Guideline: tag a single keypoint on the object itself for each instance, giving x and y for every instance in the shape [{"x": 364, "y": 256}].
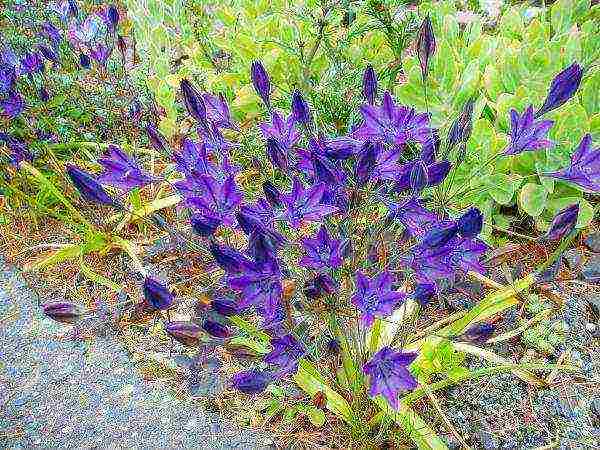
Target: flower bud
[
  {"x": 366, "y": 162},
  {"x": 48, "y": 53},
  {"x": 439, "y": 236},
  {"x": 370, "y": 85},
  {"x": 251, "y": 381},
  {"x": 193, "y": 101},
  {"x": 300, "y": 108},
  {"x": 276, "y": 154},
  {"x": 62, "y": 311},
  {"x": 424, "y": 292},
  {"x": 418, "y": 177},
  {"x": 425, "y": 46},
  {"x": 333, "y": 346},
  {"x": 216, "y": 329},
  {"x": 272, "y": 194},
  {"x": 470, "y": 223},
  {"x": 225, "y": 306},
  {"x": 157, "y": 140},
  {"x": 563, "y": 87},
  {"x": 84, "y": 61},
  {"x": 187, "y": 333},
  {"x": 563, "y": 223},
  {"x": 112, "y": 15},
  {"x": 227, "y": 258},
  {"x": 89, "y": 188},
  {"x": 204, "y": 225},
  {"x": 260, "y": 79},
  {"x": 157, "y": 294},
  {"x": 479, "y": 333}
]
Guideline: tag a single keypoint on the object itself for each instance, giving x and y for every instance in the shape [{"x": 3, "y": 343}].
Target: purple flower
[
  {"x": 157, "y": 294},
  {"x": 63, "y": 9},
  {"x": 322, "y": 251},
  {"x": 285, "y": 354},
  {"x": 193, "y": 101},
  {"x": 224, "y": 306},
  {"x": 389, "y": 375},
  {"x": 391, "y": 124},
  {"x": 415, "y": 217},
  {"x": 260, "y": 286},
  {"x": 584, "y": 170},
  {"x": 204, "y": 225},
  {"x": 19, "y": 150},
  {"x": 333, "y": 346},
  {"x": 526, "y": 134},
  {"x": 32, "y": 63},
  {"x": 82, "y": 34},
  {"x": 100, "y": 54},
  {"x": 283, "y": 131},
  {"x": 84, "y": 61},
  {"x": 157, "y": 140},
  {"x": 216, "y": 329},
  {"x": 375, "y": 297},
  {"x": 212, "y": 197},
  {"x": 7, "y": 79},
  {"x": 425, "y": 46},
  {"x": 62, "y": 311},
  {"x": 563, "y": 223},
  {"x": 424, "y": 292},
  {"x": 563, "y": 87},
  {"x": 260, "y": 79},
  {"x": 217, "y": 111},
  {"x": 121, "y": 171},
  {"x": 370, "y": 85},
  {"x": 88, "y": 186},
  {"x": 470, "y": 223},
  {"x": 304, "y": 204},
  {"x": 187, "y": 333},
  {"x": 251, "y": 381},
  {"x": 300, "y": 108}
]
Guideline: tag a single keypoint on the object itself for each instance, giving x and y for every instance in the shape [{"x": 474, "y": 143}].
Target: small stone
[
  {"x": 590, "y": 327},
  {"x": 595, "y": 407},
  {"x": 591, "y": 270},
  {"x": 595, "y": 304},
  {"x": 592, "y": 242},
  {"x": 191, "y": 424},
  {"x": 572, "y": 258},
  {"x": 488, "y": 440}
]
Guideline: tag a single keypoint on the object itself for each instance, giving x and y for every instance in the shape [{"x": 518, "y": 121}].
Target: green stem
[{"x": 559, "y": 251}]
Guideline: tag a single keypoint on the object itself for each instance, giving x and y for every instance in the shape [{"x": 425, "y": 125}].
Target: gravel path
[{"x": 59, "y": 393}]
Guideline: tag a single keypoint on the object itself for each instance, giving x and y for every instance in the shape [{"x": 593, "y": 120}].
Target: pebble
[
  {"x": 591, "y": 270},
  {"x": 572, "y": 258},
  {"x": 590, "y": 327},
  {"x": 592, "y": 242}
]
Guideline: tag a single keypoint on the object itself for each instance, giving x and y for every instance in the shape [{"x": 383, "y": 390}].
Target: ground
[{"x": 56, "y": 392}]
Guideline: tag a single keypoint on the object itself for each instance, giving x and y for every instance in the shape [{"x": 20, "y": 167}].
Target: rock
[
  {"x": 572, "y": 258},
  {"x": 595, "y": 408},
  {"x": 591, "y": 270},
  {"x": 488, "y": 440},
  {"x": 594, "y": 304},
  {"x": 592, "y": 241},
  {"x": 591, "y": 327}
]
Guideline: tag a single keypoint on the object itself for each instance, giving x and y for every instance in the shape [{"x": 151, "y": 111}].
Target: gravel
[{"x": 57, "y": 392}]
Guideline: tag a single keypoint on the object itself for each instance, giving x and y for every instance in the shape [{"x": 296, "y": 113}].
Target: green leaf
[
  {"x": 311, "y": 381},
  {"x": 501, "y": 187},
  {"x": 316, "y": 416},
  {"x": 532, "y": 199},
  {"x": 99, "y": 279},
  {"x": 414, "y": 426}
]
